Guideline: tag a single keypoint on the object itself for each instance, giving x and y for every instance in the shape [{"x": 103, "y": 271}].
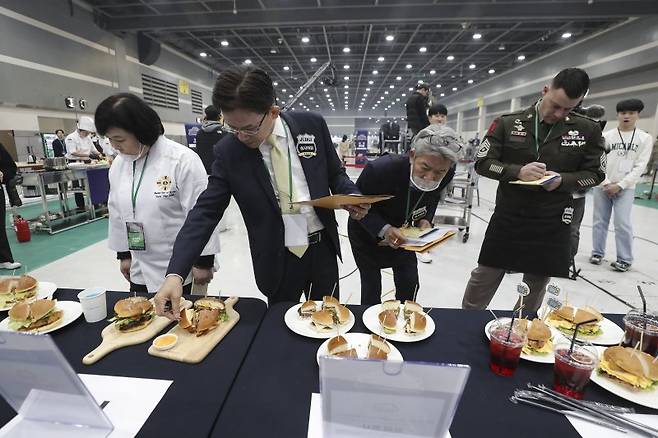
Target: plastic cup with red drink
[
  {"x": 641, "y": 328},
  {"x": 573, "y": 368},
  {"x": 505, "y": 347}
]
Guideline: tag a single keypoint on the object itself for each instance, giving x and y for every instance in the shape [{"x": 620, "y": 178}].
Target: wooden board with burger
[
  {"x": 199, "y": 330},
  {"x": 134, "y": 322},
  {"x": 23, "y": 288}
]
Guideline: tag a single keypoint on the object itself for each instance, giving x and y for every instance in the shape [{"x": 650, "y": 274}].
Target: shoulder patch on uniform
[
  {"x": 496, "y": 168},
  {"x": 484, "y": 148}
]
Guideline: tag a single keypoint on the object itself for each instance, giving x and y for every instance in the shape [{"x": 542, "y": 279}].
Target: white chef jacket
[
  {"x": 75, "y": 143},
  {"x": 174, "y": 178},
  {"x": 108, "y": 150}
]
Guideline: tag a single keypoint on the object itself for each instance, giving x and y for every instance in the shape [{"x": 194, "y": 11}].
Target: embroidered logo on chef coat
[
  {"x": 573, "y": 139},
  {"x": 567, "y": 215},
  {"x": 165, "y": 187},
  {"x": 419, "y": 214},
  {"x": 484, "y": 149},
  {"x": 306, "y": 146}
]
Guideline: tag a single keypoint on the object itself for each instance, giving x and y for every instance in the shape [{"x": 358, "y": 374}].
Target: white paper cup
[{"x": 94, "y": 304}]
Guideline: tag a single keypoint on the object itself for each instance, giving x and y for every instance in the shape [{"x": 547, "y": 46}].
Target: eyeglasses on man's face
[{"x": 245, "y": 131}]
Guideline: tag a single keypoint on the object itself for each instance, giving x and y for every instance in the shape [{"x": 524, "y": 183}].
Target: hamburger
[
  {"x": 411, "y": 306},
  {"x": 16, "y": 289},
  {"x": 416, "y": 323},
  {"x": 392, "y": 305},
  {"x": 539, "y": 338},
  {"x": 38, "y": 316},
  {"x": 329, "y": 303},
  {"x": 338, "y": 346},
  {"x": 206, "y": 315},
  {"x": 388, "y": 320},
  {"x": 322, "y": 320},
  {"x": 132, "y": 314},
  {"x": 306, "y": 309},
  {"x": 341, "y": 315},
  {"x": 378, "y": 348},
  {"x": 566, "y": 317},
  {"x": 629, "y": 366}
]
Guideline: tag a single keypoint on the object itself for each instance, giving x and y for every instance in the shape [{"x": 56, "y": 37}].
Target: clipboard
[
  {"x": 432, "y": 244},
  {"x": 546, "y": 179},
  {"x": 336, "y": 202}
]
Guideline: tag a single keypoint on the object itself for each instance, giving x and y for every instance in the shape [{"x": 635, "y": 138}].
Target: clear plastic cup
[
  {"x": 94, "y": 304},
  {"x": 641, "y": 326},
  {"x": 573, "y": 370},
  {"x": 505, "y": 348}
]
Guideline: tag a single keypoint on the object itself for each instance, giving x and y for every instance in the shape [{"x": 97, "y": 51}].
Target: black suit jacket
[
  {"x": 239, "y": 171},
  {"x": 417, "y": 112},
  {"x": 389, "y": 175},
  {"x": 59, "y": 148}
]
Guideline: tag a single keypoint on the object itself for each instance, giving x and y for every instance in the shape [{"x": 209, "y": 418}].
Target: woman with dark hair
[
  {"x": 7, "y": 172},
  {"x": 154, "y": 183}
]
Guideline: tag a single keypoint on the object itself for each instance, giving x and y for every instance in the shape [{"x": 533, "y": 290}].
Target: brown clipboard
[
  {"x": 336, "y": 202},
  {"x": 432, "y": 244}
]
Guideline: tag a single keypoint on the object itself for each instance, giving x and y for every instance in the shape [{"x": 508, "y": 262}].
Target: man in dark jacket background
[
  {"x": 417, "y": 105},
  {"x": 208, "y": 136}
]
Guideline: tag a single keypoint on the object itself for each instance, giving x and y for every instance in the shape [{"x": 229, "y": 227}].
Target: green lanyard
[
  {"x": 408, "y": 212},
  {"x": 537, "y": 142},
  {"x": 134, "y": 190}
]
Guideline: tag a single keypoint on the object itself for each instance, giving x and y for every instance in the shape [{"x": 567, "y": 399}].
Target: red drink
[
  {"x": 643, "y": 327},
  {"x": 572, "y": 371},
  {"x": 505, "y": 349}
]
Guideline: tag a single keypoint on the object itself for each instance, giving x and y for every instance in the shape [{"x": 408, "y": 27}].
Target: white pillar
[
  {"x": 460, "y": 121},
  {"x": 515, "y": 104},
  {"x": 482, "y": 114}
]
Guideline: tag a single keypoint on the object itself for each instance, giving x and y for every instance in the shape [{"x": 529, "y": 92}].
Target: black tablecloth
[
  {"x": 271, "y": 395},
  {"x": 192, "y": 402}
]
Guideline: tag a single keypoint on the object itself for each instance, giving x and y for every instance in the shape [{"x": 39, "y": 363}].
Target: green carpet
[
  {"x": 640, "y": 190},
  {"x": 44, "y": 248}
]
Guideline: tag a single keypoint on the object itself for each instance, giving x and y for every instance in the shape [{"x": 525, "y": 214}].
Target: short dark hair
[
  {"x": 130, "y": 113},
  {"x": 58, "y": 130},
  {"x": 243, "y": 87},
  {"x": 212, "y": 113},
  {"x": 438, "y": 108},
  {"x": 630, "y": 105},
  {"x": 344, "y": 137},
  {"x": 574, "y": 82},
  {"x": 422, "y": 86}
]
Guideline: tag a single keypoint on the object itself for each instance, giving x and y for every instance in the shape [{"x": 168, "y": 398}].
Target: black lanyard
[
  {"x": 630, "y": 144},
  {"x": 408, "y": 213}
]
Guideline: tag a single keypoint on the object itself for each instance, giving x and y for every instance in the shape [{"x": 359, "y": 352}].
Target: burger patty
[
  {"x": 52, "y": 317},
  {"x": 134, "y": 322}
]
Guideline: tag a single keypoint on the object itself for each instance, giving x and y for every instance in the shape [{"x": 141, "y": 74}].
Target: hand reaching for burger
[{"x": 171, "y": 291}]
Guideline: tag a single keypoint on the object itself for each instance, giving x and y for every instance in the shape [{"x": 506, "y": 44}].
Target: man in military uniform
[{"x": 529, "y": 230}]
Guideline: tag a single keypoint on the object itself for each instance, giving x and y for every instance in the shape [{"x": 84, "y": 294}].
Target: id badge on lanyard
[{"x": 136, "y": 240}]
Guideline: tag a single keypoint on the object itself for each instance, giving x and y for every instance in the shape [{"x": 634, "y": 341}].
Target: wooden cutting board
[
  {"x": 191, "y": 348},
  {"x": 113, "y": 339}
]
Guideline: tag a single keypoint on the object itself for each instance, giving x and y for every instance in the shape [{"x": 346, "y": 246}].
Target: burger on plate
[
  {"x": 306, "y": 309},
  {"x": 411, "y": 306},
  {"x": 378, "y": 348},
  {"x": 322, "y": 320},
  {"x": 329, "y": 302},
  {"x": 566, "y": 317},
  {"x": 539, "y": 338},
  {"x": 416, "y": 323},
  {"x": 392, "y": 305},
  {"x": 338, "y": 346},
  {"x": 388, "y": 320},
  {"x": 16, "y": 289},
  {"x": 629, "y": 366},
  {"x": 341, "y": 314},
  {"x": 132, "y": 314},
  {"x": 206, "y": 315},
  {"x": 38, "y": 316}
]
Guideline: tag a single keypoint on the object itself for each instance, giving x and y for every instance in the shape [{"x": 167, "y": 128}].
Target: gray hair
[{"x": 438, "y": 140}]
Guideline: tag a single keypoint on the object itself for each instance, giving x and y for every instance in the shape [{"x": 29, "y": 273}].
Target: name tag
[
  {"x": 419, "y": 214},
  {"x": 136, "y": 240}
]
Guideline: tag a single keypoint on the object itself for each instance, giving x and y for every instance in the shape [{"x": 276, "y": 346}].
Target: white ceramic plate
[
  {"x": 359, "y": 341},
  {"x": 611, "y": 333},
  {"x": 45, "y": 289},
  {"x": 72, "y": 311},
  {"x": 304, "y": 327},
  {"x": 648, "y": 398},
  {"x": 539, "y": 358},
  {"x": 371, "y": 321}
]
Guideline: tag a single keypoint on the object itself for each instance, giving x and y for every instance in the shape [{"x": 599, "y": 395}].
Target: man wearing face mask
[
  {"x": 154, "y": 183},
  {"x": 529, "y": 231},
  {"x": 270, "y": 162},
  {"x": 416, "y": 181}
]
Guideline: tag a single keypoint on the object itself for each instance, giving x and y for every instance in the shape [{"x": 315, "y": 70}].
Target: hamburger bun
[
  {"x": 411, "y": 306},
  {"x": 132, "y": 306},
  {"x": 539, "y": 332},
  {"x": 40, "y": 315},
  {"x": 307, "y": 308},
  {"x": 342, "y": 314},
  {"x": 416, "y": 323},
  {"x": 41, "y": 308},
  {"x": 323, "y": 320},
  {"x": 329, "y": 302},
  {"x": 630, "y": 366},
  {"x": 388, "y": 320},
  {"x": 206, "y": 320},
  {"x": 351, "y": 353},
  {"x": 336, "y": 345},
  {"x": 186, "y": 318},
  {"x": 20, "y": 284},
  {"x": 392, "y": 305},
  {"x": 209, "y": 303},
  {"x": 378, "y": 348},
  {"x": 20, "y": 312}
]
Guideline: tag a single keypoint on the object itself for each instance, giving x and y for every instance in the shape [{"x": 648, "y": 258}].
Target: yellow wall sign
[
  {"x": 480, "y": 102},
  {"x": 184, "y": 87}
]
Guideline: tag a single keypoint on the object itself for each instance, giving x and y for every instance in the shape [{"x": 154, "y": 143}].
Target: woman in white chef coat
[{"x": 154, "y": 183}]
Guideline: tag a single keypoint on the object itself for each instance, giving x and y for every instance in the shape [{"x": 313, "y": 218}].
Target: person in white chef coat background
[
  {"x": 154, "y": 183},
  {"x": 79, "y": 146}
]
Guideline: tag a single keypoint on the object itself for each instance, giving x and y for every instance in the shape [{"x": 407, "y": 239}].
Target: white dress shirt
[{"x": 299, "y": 185}]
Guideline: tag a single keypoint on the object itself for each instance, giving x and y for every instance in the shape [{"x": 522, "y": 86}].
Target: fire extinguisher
[{"x": 22, "y": 229}]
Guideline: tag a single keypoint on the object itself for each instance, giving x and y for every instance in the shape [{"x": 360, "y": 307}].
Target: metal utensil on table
[
  {"x": 575, "y": 414},
  {"x": 535, "y": 395}
]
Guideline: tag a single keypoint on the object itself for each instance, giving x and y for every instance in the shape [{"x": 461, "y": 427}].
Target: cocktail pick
[
  {"x": 511, "y": 324},
  {"x": 415, "y": 292},
  {"x": 310, "y": 289},
  {"x": 334, "y": 290},
  {"x": 523, "y": 290},
  {"x": 494, "y": 315},
  {"x": 575, "y": 333},
  {"x": 387, "y": 293}
]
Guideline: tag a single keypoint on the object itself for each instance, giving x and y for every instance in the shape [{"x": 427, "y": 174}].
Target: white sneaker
[
  {"x": 424, "y": 257},
  {"x": 10, "y": 265}
]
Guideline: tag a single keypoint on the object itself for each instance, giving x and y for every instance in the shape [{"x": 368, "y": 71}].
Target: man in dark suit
[
  {"x": 59, "y": 146},
  {"x": 416, "y": 180},
  {"x": 271, "y": 161},
  {"x": 208, "y": 136},
  {"x": 417, "y": 105}
]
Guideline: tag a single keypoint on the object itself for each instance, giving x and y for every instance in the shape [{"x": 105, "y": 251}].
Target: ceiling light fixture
[
  {"x": 247, "y": 61},
  {"x": 470, "y": 81},
  {"x": 472, "y": 66},
  {"x": 492, "y": 71},
  {"x": 454, "y": 88},
  {"x": 408, "y": 66},
  {"x": 224, "y": 43},
  {"x": 432, "y": 72},
  {"x": 521, "y": 57},
  {"x": 375, "y": 72},
  {"x": 398, "y": 78},
  {"x": 566, "y": 35},
  {"x": 390, "y": 37},
  {"x": 346, "y": 50},
  {"x": 346, "y": 67},
  {"x": 450, "y": 58},
  {"x": 477, "y": 36},
  {"x": 380, "y": 59},
  {"x": 314, "y": 59},
  {"x": 422, "y": 49},
  {"x": 203, "y": 54},
  {"x": 286, "y": 68}
]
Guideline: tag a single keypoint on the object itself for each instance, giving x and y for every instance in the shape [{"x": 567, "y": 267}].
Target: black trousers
[
  {"x": 141, "y": 288},
  {"x": 5, "y": 250},
  {"x": 318, "y": 267},
  {"x": 578, "y": 213},
  {"x": 405, "y": 277}
]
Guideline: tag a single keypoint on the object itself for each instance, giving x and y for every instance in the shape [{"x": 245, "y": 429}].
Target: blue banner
[
  {"x": 191, "y": 130},
  {"x": 361, "y": 148}
]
